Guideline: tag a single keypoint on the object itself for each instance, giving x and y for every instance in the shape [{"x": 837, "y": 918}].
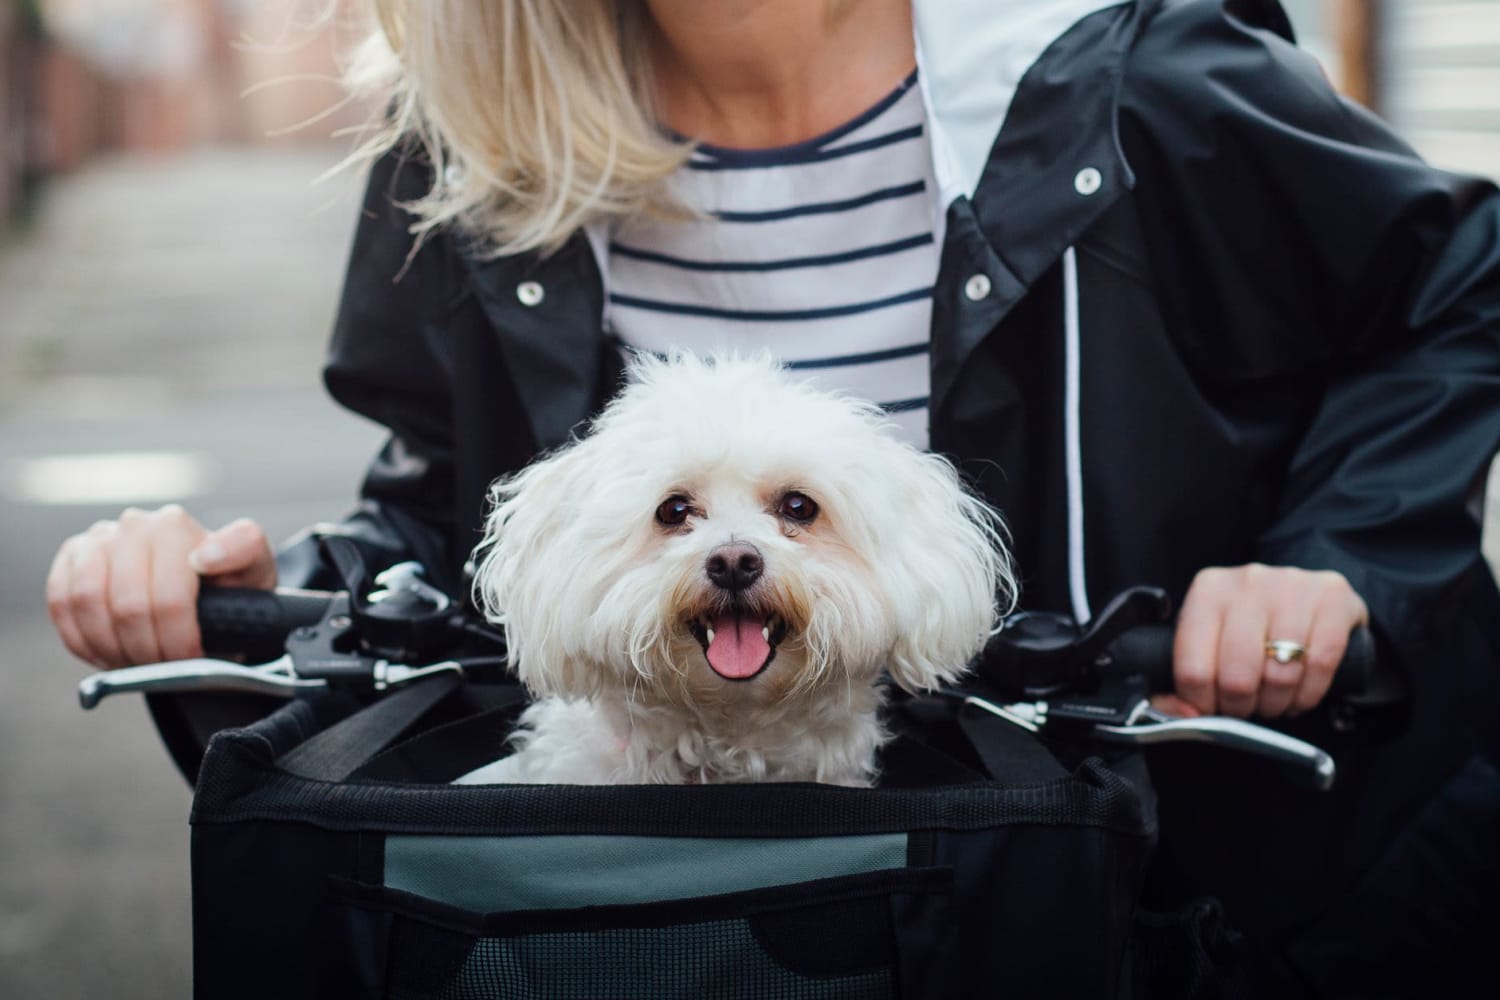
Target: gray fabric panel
[
  {"x": 502, "y": 874},
  {"x": 715, "y": 960}
]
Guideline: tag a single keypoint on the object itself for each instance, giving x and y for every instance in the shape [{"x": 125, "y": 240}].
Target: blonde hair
[{"x": 536, "y": 115}]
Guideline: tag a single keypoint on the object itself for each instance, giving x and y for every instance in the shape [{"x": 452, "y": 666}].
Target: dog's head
[{"x": 727, "y": 536}]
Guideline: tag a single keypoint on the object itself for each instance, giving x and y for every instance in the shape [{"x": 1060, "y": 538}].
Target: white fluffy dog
[{"x": 710, "y": 584}]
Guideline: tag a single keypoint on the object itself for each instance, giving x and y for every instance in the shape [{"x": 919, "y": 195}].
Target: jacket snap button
[
  {"x": 1087, "y": 181},
  {"x": 977, "y": 287},
  {"x": 530, "y": 293}
]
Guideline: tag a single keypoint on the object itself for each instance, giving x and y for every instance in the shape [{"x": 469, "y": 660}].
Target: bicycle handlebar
[
  {"x": 1362, "y": 678},
  {"x": 1049, "y": 672},
  {"x": 255, "y": 624}
]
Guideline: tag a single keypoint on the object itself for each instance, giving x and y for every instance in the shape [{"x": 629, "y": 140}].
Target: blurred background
[
  {"x": 168, "y": 266},
  {"x": 169, "y": 263}
]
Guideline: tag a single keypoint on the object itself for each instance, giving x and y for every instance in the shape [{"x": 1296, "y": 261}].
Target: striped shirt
[{"x": 823, "y": 253}]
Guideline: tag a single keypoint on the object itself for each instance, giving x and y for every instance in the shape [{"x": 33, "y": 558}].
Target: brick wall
[{"x": 240, "y": 73}]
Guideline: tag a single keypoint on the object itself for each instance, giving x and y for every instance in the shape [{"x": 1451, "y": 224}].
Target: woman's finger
[
  {"x": 60, "y": 606},
  {"x": 1242, "y": 643},
  {"x": 129, "y": 589},
  {"x": 1195, "y": 648},
  {"x": 174, "y": 585},
  {"x": 1171, "y": 704},
  {"x": 237, "y": 555},
  {"x": 88, "y": 595},
  {"x": 1336, "y": 614},
  {"x": 1290, "y": 619}
]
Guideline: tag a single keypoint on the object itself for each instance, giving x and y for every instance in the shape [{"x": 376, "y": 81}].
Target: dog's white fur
[{"x": 902, "y": 571}]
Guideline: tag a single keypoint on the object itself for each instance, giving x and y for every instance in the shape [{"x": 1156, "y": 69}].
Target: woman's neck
[{"x": 759, "y": 73}]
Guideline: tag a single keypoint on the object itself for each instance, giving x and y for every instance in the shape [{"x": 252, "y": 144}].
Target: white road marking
[{"x": 112, "y": 477}]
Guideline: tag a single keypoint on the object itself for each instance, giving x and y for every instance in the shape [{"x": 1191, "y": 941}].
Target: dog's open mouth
[{"x": 739, "y": 644}]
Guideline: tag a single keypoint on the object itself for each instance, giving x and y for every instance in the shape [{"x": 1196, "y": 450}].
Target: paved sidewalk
[
  {"x": 213, "y": 271},
  {"x": 176, "y": 306}
]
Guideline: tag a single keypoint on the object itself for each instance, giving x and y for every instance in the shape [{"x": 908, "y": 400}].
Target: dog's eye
[
  {"x": 674, "y": 510},
  {"x": 798, "y": 507}
]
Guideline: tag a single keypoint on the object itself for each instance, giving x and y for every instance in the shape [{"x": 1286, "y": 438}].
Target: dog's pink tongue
[{"x": 738, "y": 649}]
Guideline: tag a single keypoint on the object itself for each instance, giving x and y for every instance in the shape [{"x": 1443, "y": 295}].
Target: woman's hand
[
  {"x": 1220, "y": 660},
  {"x": 125, "y": 591}
]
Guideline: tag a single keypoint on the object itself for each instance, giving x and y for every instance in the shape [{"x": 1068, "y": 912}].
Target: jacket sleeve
[
  {"x": 1310, "y": 242},
  {"x": 388, "y": 361}
]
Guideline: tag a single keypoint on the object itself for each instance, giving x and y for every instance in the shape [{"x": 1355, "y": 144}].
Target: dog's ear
[
  {"x": 519, "y": 581},
  {"x": 950, "y": 575}
]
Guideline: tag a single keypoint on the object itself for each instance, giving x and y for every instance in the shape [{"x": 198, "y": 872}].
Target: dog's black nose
[{"x": 734, "y": 566}]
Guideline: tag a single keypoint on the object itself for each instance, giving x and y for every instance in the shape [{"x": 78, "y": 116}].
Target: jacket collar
[
  {"x": 1052, "y": 166},
  {"x": 1020, "y": 96},
  {"x": 972, "y": 56},
  {"x": 546, "y": 313}
]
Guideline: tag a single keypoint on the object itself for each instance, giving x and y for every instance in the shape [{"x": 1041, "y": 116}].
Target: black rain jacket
[{"x": 1288, "y": 350}]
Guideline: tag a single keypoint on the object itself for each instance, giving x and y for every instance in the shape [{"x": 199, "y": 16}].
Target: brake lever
[
  {"x": 1145, "y": 726},
  {"x": 278, "y": 678},
  {"x": 1148, "y": 727},
  {"x": 274, "y": 678}
]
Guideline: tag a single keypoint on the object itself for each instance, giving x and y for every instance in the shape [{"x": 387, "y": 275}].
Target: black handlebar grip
[
  {"x": 254, "y": 624},
  {"x": 1363, "y": 679}
]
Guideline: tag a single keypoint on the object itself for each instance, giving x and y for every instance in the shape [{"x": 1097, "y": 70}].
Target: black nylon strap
[
  {"x": 343, "y": 748},
  {"x": 442, "y": 753},
  {"x": 1011, "y": 755}
]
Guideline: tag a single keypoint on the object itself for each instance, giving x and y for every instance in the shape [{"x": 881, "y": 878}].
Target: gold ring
[{"x": 1285, "y": 650}]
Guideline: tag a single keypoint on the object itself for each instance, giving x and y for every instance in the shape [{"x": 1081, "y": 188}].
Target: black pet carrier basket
[{"x": 332, "y": 858}]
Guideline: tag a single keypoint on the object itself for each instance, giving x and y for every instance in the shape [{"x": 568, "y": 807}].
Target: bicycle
[{"x": 328, "y": 836}]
